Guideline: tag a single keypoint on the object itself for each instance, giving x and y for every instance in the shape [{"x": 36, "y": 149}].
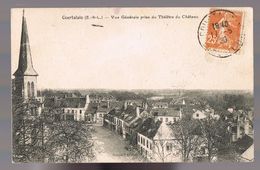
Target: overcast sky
[{"x": 127, "y": 53}]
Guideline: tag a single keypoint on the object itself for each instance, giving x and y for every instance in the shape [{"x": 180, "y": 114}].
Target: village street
[{"x": 110, "y": 147}]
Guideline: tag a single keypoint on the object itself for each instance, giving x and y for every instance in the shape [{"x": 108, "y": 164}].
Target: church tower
[{"x": 25, "y": 82}]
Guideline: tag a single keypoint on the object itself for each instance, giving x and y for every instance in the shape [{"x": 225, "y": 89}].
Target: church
[{"x": 25, "y": 81}]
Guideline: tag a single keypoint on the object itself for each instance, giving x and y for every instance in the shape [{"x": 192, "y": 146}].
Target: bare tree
[
  {"x": 160, "y": 150},
  {"x": 187, "y": 136},
  {"x": 67, "y": 140},
  {"x": 216, "y": 135}
]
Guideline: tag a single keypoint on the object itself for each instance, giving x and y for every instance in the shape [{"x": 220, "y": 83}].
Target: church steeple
[
  {"x": 25, "y": 67},
  {"x": 25, "y": 75}
]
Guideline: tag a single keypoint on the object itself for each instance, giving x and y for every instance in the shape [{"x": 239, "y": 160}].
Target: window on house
[
  {"x": 166, "y": 119},
  {"x": 197, "y": 115},
  {"x": 68, "y": 111},
  {"x": 70, "y": 117},
  {"x": 168, "y": 146},
  {"x": 161, "y": 119},
  {"x": 203, "y": 150},
  {"x": 80, "y": 111},
  {"x": 72, "y": 111}
]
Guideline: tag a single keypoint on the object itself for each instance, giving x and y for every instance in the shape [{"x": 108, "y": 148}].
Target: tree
[
  {"x": 69, "y": 141},
  {"x": 27, "y": 132},
  {"x": 66, "y": 141},
  {"x": 187, "y": 135},
  {"x": 216, "y": 135},
  {"x": 160, "y": 149}
]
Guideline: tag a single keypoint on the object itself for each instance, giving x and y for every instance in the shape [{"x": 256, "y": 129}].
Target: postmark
[{"x": 220, "y": 32}]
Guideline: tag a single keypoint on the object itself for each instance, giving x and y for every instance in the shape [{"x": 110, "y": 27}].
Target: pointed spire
[{"x": 25, "y": 66}]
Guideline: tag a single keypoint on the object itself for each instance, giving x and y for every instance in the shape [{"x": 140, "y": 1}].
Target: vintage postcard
[{"x": 132, "y": 85}]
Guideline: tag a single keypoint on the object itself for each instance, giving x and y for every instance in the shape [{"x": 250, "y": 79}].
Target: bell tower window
[
  {"x": 29, "y": 89},
  {"x": 32, "y": 89}
]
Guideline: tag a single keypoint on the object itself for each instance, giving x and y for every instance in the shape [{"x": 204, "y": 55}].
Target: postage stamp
[{"x": 221, "y": 32}]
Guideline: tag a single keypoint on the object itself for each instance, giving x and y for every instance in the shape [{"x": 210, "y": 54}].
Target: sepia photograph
[{"x": 132, "y": 85}]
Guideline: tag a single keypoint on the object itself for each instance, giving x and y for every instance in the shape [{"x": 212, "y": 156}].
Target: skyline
[{"x": 100, "y": 58}]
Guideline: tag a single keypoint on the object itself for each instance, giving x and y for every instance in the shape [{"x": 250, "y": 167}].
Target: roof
[
  {"x": 248, "y": 155},
  {"x": 149, "y": 127},
  {"x": 53, "y": 102},
  {"x": 160, "y": 103},
  {"x": 25, "y": 66},
  {"x": 137, "y": 102},
  {"x": 136, "y": 124},
  {"x": 68, "y": 102},
  {"x": 243, "y": 144},
  {"x": 116, "y": 104},
  {"x": 92, "y": 108},
  {"x": 102, "y": 109},
  {"x": 175, "y": 112},
  {"x": 129, "y": 114},
  {"x": 49, "y": 102},
  {"x": 164, "y": 132},
  {"x": 101, "y": 96},
  {"x": 114, "y": 112},
  {"x": 73, "y": 102}
]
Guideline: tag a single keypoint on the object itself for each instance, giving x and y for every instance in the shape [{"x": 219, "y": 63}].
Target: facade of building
[
  {"x": 156, "y": 142},
  {"x": 167, "y": 115}
]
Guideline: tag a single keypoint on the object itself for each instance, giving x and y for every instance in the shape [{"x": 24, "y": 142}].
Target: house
[
  {"x": 199, "y": 115},
  {"x": 156, "y": 142},
  {"x": 133, "y": 103},
  {"x": 102, "y": 109},
  {"x": 240, "y": 123},
  {"x": 145, "y": 136},
  {"x": 127, "y": 116},
  {"x": 167, "y": 115},
  {"x": 111, "y": 118},
  {"x": 101, "y": 97},
  {"x": 245, "y": 148},
  {"x": 204, "y": 113},
  {"x": 76, "y": 107},
  {"x": 133, "y": 130},
  {"x": 165, "y": 145},
  {"x": 159, "y": 104},
  {"x": 90, "y": 113},
  {"x": 68, "y": 108},
  {"x": 248, "y": 155}
]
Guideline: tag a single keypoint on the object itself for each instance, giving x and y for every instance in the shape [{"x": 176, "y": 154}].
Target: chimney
[
  {"x": 238, "y": 126},
  {"x": 108, "y": 104},
  {"x": 87, "y": 99},
  {"x": 246, "y": 126},
  {"x": 125, "y": 105},
  {"x": 145, "y": 106},
  {"x": 137, "y": 111},
  {"x": 180, "y": 113}
]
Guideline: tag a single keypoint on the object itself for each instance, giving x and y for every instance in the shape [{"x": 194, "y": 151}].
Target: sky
[{"x": 127, "y": 53}]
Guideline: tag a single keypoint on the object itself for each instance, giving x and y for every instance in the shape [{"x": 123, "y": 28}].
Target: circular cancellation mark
[{"x": 220, "y": 32}]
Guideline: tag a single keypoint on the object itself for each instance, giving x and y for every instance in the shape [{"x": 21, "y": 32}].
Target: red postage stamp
[{"x": 220, "y": 32}]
